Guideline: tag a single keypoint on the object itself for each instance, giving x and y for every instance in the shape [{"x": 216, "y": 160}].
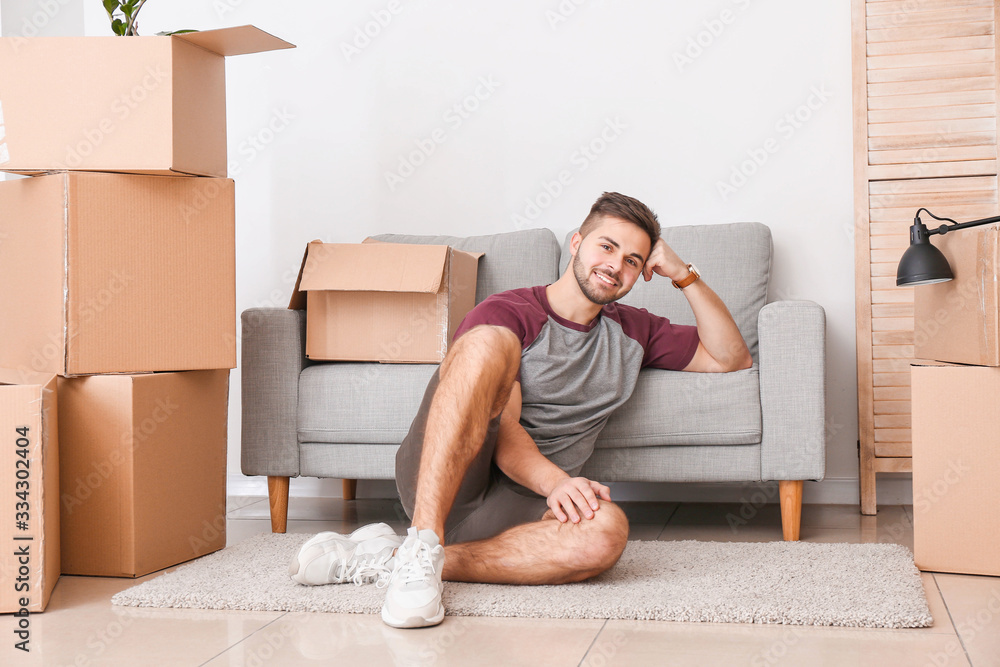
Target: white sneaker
[
  {"x": 413, "y": 598},
  {"x": 331, "y": 558}
]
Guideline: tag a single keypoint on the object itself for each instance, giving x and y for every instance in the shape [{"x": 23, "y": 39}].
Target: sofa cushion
[
  {"x": 360, "y": 403},
  {"x": 367, "y": 403},
  {"x": 734, "y": 260},
  {"x": 677, "y": 408},
  {"x": 513, "y": 259}
]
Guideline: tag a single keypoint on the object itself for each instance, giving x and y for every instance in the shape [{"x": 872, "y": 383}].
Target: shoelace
[
  {"x": 377, "y": 569},
  {"x": 417, "y": 567}
]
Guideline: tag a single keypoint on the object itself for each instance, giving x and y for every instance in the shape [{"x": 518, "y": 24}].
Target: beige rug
[{"x": 796, "y": 583}]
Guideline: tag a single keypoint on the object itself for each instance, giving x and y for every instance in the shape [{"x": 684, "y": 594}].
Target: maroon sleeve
[
  {"x": 666, "y": 345},
  {"x": 516, "y": 310}
]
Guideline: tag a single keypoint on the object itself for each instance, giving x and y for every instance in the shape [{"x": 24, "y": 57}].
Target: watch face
[{"x": 694, "y": 269}]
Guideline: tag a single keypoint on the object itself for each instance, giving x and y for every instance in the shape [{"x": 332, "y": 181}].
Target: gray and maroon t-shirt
[{"x": 573, "y": 376}]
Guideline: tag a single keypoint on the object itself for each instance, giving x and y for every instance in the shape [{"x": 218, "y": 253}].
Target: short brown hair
[{"x": 617, "y": 205}]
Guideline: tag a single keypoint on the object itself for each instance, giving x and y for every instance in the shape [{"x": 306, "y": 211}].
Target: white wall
[{"x": 688, "y": 93}]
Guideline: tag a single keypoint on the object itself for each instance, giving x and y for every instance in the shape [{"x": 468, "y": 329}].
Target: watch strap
[{"x": 684, "y": 282}]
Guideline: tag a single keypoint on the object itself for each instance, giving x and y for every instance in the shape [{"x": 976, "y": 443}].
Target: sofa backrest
[
  {"x": 735, "y": 261},
  {"x": 734, "y": 258},
  {"x": 513, "y": 259}
]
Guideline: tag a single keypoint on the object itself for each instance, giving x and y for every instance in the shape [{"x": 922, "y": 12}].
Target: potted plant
[{"x": 124, "y": 14}]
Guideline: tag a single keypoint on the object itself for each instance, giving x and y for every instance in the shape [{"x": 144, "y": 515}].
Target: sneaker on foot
[
  {"x": 413, "y": 597},
  {"x": 331, "y": 558}
]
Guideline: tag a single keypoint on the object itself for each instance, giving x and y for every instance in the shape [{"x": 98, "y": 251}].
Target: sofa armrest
[
  {"x": 793, "y": 390},
  {"x": 273, "y": 356}
]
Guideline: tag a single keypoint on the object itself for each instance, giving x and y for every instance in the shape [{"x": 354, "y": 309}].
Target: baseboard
[{"x": 892, "y": 490}]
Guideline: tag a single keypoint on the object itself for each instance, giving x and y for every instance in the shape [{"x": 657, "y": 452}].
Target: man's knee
[
  {"x": 601, "y": 540},
  {"x": 488, "y": 350}
]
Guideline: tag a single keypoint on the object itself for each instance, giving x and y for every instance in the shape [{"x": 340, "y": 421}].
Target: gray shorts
[{"x": 487, "y": 503}]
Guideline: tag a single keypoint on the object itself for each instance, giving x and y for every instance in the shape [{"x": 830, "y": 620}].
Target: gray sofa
[{"x": 346, "y": 420}]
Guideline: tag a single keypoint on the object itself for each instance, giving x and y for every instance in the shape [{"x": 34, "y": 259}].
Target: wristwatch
[{"x": 693, "y": 275}]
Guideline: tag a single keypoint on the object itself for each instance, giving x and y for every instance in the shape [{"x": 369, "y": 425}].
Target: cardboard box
[
  {"x": 957, "y": 321},
  {"x": 385, "y": 302},
  {"x": 956, "y": 467},
  {"x": 143, "y": 470},
  {"x": 29, "y": 491},
  {"x": 112, "y": 273},
  {"x": 151, "y": 105}
]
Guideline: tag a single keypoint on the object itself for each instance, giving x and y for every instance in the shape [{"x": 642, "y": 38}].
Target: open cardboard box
[
  {"x": 959, "y": 320},
  {"x": 29, "y": 491},
  {"x": 956, "y": 462},
  {"x": 116, "y": 273},
  {"x": 142, "y": 471},
  {"x": 151, "y": 105},
  {"x": 387, "y": 302}
]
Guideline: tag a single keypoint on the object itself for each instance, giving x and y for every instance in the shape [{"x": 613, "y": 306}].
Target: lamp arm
[{"x": 944, "y": 229}]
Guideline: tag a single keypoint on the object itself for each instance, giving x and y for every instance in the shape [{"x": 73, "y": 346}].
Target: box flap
[
  {"x": 375, "y": 267},
  {"x": 24, "y": 377},
  {"x": 298, "y": 300},
  {"x": 235, "y": 41}
]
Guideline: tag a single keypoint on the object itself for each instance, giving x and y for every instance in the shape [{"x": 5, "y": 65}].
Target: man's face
[{"x": 609, "y": 260}]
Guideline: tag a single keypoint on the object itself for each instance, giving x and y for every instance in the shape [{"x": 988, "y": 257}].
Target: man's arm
[
  {"x": 721, "y": 348},
  {"x": 518, "y": 457}
]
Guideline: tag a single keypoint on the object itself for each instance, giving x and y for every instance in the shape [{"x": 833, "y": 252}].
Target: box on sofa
[{"x": 386, "y": 302}]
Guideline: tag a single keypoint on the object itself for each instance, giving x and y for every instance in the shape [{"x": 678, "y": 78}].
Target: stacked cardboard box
[
  {"x": 117, "y": 288},
  {"x": 956, "y": 419}
]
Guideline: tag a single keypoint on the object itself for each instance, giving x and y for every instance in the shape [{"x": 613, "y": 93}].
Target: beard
[{"x": 583, "y": 278}]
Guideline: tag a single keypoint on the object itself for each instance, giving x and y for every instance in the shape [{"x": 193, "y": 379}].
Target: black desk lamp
[{"x": 922, "y": 263}]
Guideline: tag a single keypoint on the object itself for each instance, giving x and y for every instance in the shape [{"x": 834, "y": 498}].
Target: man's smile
[{"x": 607, "y": 279}]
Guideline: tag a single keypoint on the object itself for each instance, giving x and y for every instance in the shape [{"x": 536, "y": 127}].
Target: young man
[{"x": 491, "y": 464}]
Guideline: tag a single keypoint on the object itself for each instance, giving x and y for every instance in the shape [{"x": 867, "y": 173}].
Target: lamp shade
[{"x": 922, "y": 264}]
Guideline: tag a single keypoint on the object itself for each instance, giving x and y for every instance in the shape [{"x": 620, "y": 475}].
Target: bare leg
[
  {"x": 543, "y": 552},
  {"x": 475, "y": 383}
]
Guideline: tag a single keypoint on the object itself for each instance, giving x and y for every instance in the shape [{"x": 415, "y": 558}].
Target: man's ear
[{"x": 574, "y": 243}]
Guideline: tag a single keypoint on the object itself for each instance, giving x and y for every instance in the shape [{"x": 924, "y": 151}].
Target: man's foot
[
  {"x": 413, "y": 598},
  {"x": 331, "y": 558}
]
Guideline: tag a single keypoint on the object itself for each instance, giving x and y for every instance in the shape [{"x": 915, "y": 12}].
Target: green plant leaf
[
  {"x": 119, "y": 27},
  {"x": 110, "y": 6}
]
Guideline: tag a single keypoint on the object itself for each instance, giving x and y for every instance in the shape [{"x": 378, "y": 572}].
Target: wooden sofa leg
[
  {"x": 277, "y": 494},
  {"x": 791, "y": 508},
  {"x": 350, "y": 489}
]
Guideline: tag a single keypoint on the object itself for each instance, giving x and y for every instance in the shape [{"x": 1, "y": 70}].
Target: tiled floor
[{"x": 80, "y": 627}]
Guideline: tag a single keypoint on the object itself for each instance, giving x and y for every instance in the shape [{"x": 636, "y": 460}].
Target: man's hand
[
  {"x": 575, "y": 496},
  {"x": 664, "y": 261}
]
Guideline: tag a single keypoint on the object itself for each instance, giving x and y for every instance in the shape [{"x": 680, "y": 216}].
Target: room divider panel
[{"x": 925, "y": 135}]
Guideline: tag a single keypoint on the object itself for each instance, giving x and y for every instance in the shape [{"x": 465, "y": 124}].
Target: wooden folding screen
[{"x": 925, "y": 135}]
